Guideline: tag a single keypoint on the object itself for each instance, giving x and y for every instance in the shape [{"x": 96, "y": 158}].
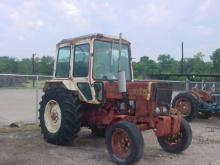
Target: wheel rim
[
  {"x": 174, "y": 139},
  {"x": 121, "y": 144},
  {"x": 52, "y": 116},
  {"x": 183, "y": 106}
]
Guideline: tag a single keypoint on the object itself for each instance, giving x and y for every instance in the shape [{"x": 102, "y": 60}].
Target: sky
[{"x": 152, "y": 26}]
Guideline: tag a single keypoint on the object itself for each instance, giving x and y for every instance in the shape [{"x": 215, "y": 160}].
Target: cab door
[{"x": 81, "y": 55}]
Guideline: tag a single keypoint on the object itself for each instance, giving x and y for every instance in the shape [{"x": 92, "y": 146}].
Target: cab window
[
  {"x": 81, "y": 57},
  {"x": 63, "y": 61}
]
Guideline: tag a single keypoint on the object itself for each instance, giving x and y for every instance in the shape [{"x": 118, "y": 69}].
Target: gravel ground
[{"x": 22, "y": 147}]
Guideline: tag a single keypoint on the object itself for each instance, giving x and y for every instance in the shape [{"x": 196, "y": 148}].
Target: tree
[
  {"x": 144, "y": 67},
  {"x": 196, "y": 64},
  {"x": 45, "y": 65},
  {"x": 216, "y": 60},
  {"x": 167, "y": 64}
]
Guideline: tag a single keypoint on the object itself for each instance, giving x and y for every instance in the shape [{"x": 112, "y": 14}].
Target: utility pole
[
  {"x": 33, "y": 68},
  {"x": 182, "y": 60}
]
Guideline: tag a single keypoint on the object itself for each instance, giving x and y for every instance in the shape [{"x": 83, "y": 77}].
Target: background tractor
[
  {"x": 197, "y": 103},
  {"x": 93, "y": 87}
]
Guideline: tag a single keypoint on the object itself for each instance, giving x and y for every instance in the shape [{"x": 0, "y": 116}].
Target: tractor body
[{"x": 86, "y": 71}]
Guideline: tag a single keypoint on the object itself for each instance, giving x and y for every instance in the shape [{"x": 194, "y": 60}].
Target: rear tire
[
  {"x": 187, "y": 105},
  {"x": 124, "y": 142},
  {"x": 59, "y": 116},
  {"x": 177, "y": 143}
]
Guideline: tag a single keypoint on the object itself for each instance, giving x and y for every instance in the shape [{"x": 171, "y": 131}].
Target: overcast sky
[{"x": 152, "y": 26}]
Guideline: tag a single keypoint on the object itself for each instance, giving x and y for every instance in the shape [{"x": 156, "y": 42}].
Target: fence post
[
  {"x": 36, "y": 87},
  {"x": 202, "y": 85},
  {"x": 187, "y": 84}
]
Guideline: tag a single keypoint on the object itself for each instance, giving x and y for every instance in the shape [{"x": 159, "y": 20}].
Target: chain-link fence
[
  {"x": 19, "y": 97},
  {"x": 187, "y": 85}
]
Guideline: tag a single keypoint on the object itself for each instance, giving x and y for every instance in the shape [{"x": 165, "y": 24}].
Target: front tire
[
  {"x": 124, "y": 142},
  {"x": 177, "y": 143},
  {"x": 59, "y": 116}
]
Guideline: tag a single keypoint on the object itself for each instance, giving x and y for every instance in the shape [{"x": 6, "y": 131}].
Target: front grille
[{"x": 163, "y": 96}]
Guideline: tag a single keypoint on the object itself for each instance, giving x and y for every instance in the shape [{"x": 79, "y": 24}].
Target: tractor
[
  {"x": 197, "y": 103},
  {"x": 93, "y": 87}
]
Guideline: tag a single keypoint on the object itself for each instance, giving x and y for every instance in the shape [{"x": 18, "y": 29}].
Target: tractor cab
[{"x": 88, "y": 61}]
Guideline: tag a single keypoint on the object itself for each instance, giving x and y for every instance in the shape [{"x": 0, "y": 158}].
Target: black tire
[
  {"x": 182, "y": 143},
  {"x": 70, "y": 116},
  {"x": 190, "y": 99},
  {"x": 98, "y": 132},
  {"x": 135, "y": 149}
]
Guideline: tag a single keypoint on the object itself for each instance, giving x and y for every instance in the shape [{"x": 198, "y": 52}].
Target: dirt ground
[{"x": 25, "y": 146}]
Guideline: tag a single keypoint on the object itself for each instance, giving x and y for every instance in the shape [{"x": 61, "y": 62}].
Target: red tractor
[{"x": 93, "y": 87}]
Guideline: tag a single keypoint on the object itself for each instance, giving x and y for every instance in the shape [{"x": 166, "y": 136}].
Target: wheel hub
[
  {"x": 174, "y": 139},
  {"x": 52, "y": 116},
  {"x": 184, "y": 106}
]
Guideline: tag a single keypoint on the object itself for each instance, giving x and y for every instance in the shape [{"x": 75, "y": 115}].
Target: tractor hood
[{"x": 141, "y": 90}]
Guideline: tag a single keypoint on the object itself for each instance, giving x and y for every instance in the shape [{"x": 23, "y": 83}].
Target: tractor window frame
[
  {"x": 88, "y": 96},
  {"x": 129, "y": 60},
  {"x": 74, "y": 57},
  {"x": 57, "y": 61}
]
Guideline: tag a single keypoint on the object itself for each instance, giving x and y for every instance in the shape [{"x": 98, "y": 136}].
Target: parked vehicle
[
  {"x": 93, "y": 87},
  {"x": 197, "y": 103}
]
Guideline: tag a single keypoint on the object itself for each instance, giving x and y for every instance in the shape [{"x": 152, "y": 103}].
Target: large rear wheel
[
  {"x": 179, "y": 142},
  {"x": 125, "y": 143},
  {"x": 59, "y": 116}
]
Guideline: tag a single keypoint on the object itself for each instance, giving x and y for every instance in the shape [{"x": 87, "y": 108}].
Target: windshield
[{"x": 106, "y": 58}]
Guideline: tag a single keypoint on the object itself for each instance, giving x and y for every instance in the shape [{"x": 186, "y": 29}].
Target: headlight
[
  {"x": 157, "y": 110},
  {"x": 165, "y": 110}
]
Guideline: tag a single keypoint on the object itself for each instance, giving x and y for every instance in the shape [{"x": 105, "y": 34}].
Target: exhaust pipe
[
  {"x": 121, "y": 74},
  {"x": 122, "y": 82}
]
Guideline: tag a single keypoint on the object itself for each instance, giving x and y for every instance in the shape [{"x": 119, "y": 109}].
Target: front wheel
[
  {"x": 124, "y": 142},
  {"x": 179, "y": 142}
]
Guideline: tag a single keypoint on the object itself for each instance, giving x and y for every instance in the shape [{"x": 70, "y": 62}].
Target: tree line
[
  {"x": 42, "y": 65},
  {"x": 165, "y": 64}
]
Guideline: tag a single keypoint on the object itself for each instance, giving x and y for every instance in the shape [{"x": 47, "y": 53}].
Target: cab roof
[{"x": 91, "y": 37}]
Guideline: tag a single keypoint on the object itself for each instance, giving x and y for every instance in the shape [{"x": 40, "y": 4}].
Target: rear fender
[{"x": 70, "y": 85}]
